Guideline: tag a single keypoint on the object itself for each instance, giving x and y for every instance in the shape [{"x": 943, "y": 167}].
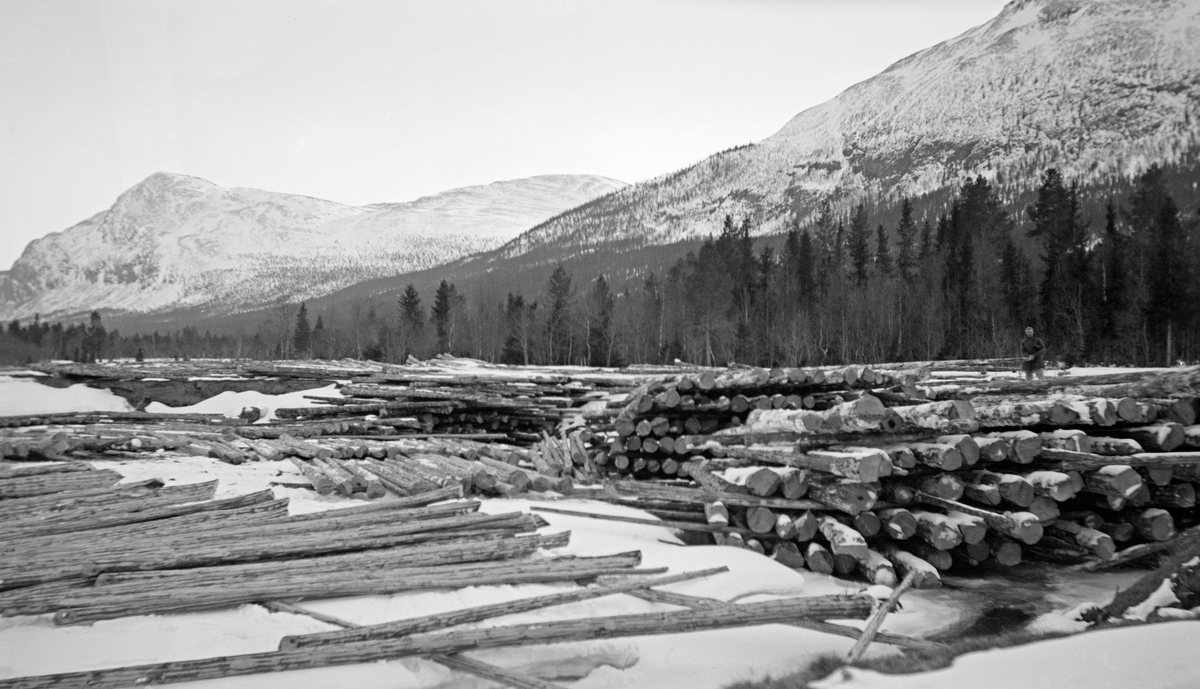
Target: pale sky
[{"x": 363, "y": 102}]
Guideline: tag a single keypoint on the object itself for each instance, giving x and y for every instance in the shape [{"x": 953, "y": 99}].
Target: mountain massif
[
  {"x": 175, "y": 242},
  {"x": 1100, "y": 89}
]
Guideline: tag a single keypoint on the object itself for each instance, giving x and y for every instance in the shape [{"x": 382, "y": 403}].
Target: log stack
[{"x": 878, "y": 475}]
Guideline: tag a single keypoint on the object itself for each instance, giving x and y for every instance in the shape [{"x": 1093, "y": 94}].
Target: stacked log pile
[{"x": 854, "y": 471}]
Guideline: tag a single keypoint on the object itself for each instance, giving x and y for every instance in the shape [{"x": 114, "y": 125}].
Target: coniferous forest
[{"x": 1124, "y": 289}]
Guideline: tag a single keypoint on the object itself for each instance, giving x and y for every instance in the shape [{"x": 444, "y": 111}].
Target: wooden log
[
  {"x": 867, "y": 524},
  {"x": 429, "y": 623},
  {"x": 699, "y": 497},
  {"x": 1179, "y": 495},
  {"x": 1067, "y": 439},
  {"x": 1153, "y": 523},
  {"x": 1115, "y": 480},
  {"x": 1011, "y": 487},
  {"x": 1156, "y": 475},
  {"x": 1023, "y": 526},
  {"x": 1099, "y": 543},
  {"x": 1163, "y": 437},
  {"x": 683, "y": 600},
  {"x": 716, "y": 513},
  {"x": 787, "y": 554},
  {"x": 863, "y": 414},
  {"x": 1004, "y": 550},
  {"x": 818, "y": 558},
  {"x": 456, "y": 641},
  {"x": 940, "y": 559},
  {"x": 1191, "y": 437},
  {"x": 760, "y": 520},
  {"x": 936, "y": 530},
  {"x": 992, "y": 449},
  {"x": 898, "y": 523},
  {"x": 924, "y": 574},
  {"x": 862, "y": 465},
  {"x": 806, "y": 525},
  {"x": 877, "y": 569},
  {"x": 1114, "y": 446},
  {"x": 876, "y": 620},
  {"x": 842, "y": 539},
  {"x": 100, "y": 607},
  {"x": 965, "y": 444},
  {"x": 793, "y": 483},
  {"x": 46, "y": 484},
  {"x": 713, "y": 483},
  {"x": 938, "y": 456},
  {"x": 1024, "y": 445},
  {"x": 1055, "y": 485},
  {"x": 845, "y": 495}
]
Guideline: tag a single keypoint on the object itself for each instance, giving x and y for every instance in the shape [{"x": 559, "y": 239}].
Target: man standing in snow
[{"x": 1034, "y": 351}]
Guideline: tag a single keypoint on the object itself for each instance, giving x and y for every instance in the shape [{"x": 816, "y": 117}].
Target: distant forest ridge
[{"x": 1119, "y": 289}]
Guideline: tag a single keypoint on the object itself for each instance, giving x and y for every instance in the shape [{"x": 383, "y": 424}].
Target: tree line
[{"x": 1120, "y": 289}]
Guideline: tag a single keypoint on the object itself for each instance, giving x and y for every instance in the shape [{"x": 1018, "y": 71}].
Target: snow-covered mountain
[
  {"x": 176, "y": 242},
  {"x": 1098, "y": 88}
]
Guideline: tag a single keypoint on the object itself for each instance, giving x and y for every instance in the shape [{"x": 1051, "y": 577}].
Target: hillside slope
[{"x": 175, "y": 242}]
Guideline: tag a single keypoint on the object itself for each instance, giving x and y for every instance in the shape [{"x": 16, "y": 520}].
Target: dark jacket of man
[{"x": 1033, "y": 346}]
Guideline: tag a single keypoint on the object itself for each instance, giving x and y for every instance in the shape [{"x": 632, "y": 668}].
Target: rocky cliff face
[
  {"x": 1098, "y": 88},
  {"x": 176, "y": 242}
]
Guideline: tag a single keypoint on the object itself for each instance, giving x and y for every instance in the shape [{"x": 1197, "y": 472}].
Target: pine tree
[
  {"x": 1065, "y": 290},
  {"x": 302, "y": 335},
  {"x": 906, "y": 236},
  {"x": 883, "y": 254},
  {"x": 558, "y": 322},
  {"x": 927, "y": 242},
  {"x": 806, "y": 279},
  {"x": 320, "y": 339},
  {"x": 412, "y": 322},
  {"x": 600, "y": 307},
  {"x": 445, "y": 303},
  {"x": 860, "y": 252}
]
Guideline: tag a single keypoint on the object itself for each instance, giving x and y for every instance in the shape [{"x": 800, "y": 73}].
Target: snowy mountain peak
[
  {"x": 175, "y": 241},
  {"x": 1099, "y": 88}
]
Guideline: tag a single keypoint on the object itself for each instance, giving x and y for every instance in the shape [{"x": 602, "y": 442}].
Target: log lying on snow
[
  {"x": 746, "y": 614},
  {"x": 98, "y": 606},
  {"x": 428, "y": 623}
]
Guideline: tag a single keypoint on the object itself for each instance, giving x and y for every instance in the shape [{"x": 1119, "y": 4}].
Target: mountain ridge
[{"x": 178, "y": 241}]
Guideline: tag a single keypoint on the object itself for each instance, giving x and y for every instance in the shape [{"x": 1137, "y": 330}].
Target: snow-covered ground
[{"x": 1151, "y": 657}]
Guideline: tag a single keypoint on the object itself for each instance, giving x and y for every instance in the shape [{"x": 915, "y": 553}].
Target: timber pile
[
  {"x": 880, "y": 473},
  {"x": 82, "y": 549},
  {"x": 78, "y": 546}
]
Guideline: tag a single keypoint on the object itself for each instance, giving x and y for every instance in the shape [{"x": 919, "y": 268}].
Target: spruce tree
[
  {"x": 860, "y": 252},
  {"x": 600, "y": 306},
  {"x": 445, "y": 302},
  {"x": 906, "y": 237},
  {"x": 302, "y": 335},
  {"x": 412, "y": 322},
  {"x": 558, "y": 321},
  {"x": 883, "y": 254}
]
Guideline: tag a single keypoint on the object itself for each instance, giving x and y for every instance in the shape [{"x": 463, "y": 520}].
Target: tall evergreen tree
[
  {"x": 883, "y": 253},
  {"x": 445, "y": 305},
  {"x": 600, "y": 326},
  {"x": 1065, "y": 290},
  {"x": 412, "y": 322},
  {"x": 906, "y": 240},
  {"x": 860, "y": 252},
  {"x": 559, "y": 339},
  {"x": 302, "y": 336}
]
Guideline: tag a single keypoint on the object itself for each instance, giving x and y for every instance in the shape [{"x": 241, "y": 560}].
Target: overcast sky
[{"x": 363, "y": 102}]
